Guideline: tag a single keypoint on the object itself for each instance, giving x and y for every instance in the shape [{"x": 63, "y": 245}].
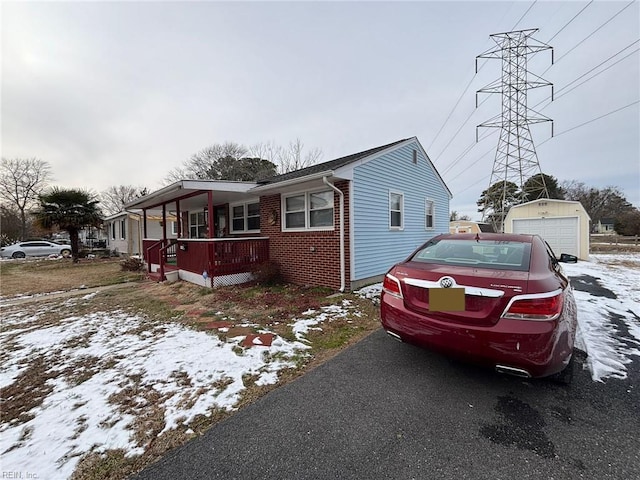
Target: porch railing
[
  {"x": 217, "y": 257},
  {"x": 159, "y": 252}
]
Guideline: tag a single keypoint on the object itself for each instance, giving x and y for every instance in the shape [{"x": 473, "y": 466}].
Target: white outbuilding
[{"x": 564, "y": 224}]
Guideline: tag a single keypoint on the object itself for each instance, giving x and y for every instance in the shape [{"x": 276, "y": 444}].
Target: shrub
[
  {"x": 132, "y": 264},
  {"x": 267, "y": 273}
]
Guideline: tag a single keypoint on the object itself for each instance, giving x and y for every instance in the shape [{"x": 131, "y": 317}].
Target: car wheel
[
  {"x": 18, "y": 255},
  {"x": 66, "y": 253},
  {"x": 564, "y": 377}
]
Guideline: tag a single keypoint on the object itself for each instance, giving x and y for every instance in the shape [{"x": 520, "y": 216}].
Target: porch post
[
  {"x": 178, "y": 219},
  {"x": 144, "y": 221},
  {"x": 164, "y": 221},
  {"x": 210, "y": 226}
]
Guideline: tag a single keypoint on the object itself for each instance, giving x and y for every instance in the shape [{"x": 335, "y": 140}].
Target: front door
[{"x": 220, "y": 214}]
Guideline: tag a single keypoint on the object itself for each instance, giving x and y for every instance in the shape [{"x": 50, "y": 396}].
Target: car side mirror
[{"x": 566, "y": 258}]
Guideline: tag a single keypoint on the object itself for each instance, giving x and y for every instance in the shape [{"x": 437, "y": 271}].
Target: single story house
[
  {"x": 468, "y": 226},
  {"x": 563, "y": 224},
  {"x": 124, "y": 231},
  {"x": 605, "y": 226},
  {"x": 340, "y": 224}
]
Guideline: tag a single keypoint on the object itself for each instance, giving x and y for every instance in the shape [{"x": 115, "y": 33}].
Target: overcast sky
[{"x": 120, "y": 93}]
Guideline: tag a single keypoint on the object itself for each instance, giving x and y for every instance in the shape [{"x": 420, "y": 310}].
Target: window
[
  {"x": 123, "y": 229},
  {"x": 245, "y": 217},
  {"x": 174, "y": 228},
  {"x": 310, "y": 210},
  {"x": 492, "y": 254},
  {"x": 429, "y": 215},
  {"x": 415, "y": 156},
  {"x": 197, "y": 225},
  {"x": 396, "y": 207},
  {"x": 113, "y": 230}
]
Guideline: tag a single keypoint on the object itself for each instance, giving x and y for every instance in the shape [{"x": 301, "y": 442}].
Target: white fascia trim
[{"x": 292, "y": 181}]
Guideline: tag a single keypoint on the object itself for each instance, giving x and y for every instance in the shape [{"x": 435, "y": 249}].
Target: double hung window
[
  {"x": 308, "y": 211},
  {"x": 245, "y": 217}
]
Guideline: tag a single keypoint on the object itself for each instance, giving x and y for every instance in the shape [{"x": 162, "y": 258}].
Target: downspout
[{"x": 342, "y": 264}]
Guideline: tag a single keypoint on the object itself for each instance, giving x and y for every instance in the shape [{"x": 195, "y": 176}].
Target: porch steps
[{"x": 154, "y": 276}]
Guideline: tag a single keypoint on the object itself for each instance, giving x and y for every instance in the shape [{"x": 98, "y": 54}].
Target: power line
[
  {"x": 567, "y": 24},
  {"x": 452, "y": 110},
  {"x": 556, "y": 96},
  {"x": 474, "y": 162},
  {"x": 592, "y": 120},
  {"x": 590, "y": 35},
  {"x": 467, "y": 88},
  {"x": 524, "y": 15}
]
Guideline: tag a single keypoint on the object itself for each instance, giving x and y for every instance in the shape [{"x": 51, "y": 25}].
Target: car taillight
[
  {"x": 535, "y": 307},
  {"x": 391, "y": 285}
]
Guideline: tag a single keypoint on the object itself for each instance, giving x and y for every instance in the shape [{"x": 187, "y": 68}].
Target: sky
[
  {"x": 135, "y": 347},
  {"x": 120, "y": 93}
]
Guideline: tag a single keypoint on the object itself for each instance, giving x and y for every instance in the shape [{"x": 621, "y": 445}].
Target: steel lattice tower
[{"x": 516, "y": 160}]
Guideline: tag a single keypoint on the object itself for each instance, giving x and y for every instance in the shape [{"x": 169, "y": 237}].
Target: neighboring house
[
  {"x": 92, "y": 237},
  {"x": 340, "y": 224},
  {"x": 468, "y": 226},
  {"x": 124, "y": 231},
  {"x": 605, "y": 225},
  {"x": 563, "y": 224}
]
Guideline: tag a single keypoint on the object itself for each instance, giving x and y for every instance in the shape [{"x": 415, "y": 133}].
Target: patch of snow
[
  {"x": 609, "y": 350},
  {"x": 193, "y": 372}
]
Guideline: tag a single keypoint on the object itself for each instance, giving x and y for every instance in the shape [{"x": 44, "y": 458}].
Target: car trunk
[{"x": 487, "y": 291}]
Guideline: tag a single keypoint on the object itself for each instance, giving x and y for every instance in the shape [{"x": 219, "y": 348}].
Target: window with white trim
[
  {"x": 245, "y": 217},
  {"x": 396, "y": 210},
  {"x": 113, "y": 230},
  {"x": 308, "y": 211},
  {"x": 123, "y": 229},
  {"x": 174, "y": 228},
  {"x": 429, "y": 215},
  {"x": 197, "y": 225}
]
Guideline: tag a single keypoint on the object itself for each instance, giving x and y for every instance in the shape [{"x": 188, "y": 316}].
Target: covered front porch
[{"x": 215, "y": 238}]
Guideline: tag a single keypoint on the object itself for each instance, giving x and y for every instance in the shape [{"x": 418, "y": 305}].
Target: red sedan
[{"x": 500, "y": 300}]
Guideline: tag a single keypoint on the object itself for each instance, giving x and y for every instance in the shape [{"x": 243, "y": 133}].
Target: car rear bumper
[{"x": 536, "y": 348}]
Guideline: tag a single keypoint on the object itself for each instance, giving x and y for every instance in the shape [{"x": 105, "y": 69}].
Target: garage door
[{"x": 560, "y": 233}]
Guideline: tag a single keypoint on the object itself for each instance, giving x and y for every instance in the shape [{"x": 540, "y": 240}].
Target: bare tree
[
  {"x": 113, "y": 199},
  {"x": 198, "y": 166},
  {"x": 598, "y": 202},
  {"x": 288, "y": 159},
  {"x": 233, "y": 161},
  {"x": 22, "y": 180}
]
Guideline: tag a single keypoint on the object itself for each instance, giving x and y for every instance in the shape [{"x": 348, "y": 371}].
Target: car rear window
[{"x": 495, "y": 254}]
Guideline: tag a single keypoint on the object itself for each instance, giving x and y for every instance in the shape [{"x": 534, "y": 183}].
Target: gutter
[
  {"x": 342, "y": 261},
  {"x": 291, "y": 181}
]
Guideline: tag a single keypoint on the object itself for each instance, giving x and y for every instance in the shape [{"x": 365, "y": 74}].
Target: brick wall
[{"x": 307, "y": 258}]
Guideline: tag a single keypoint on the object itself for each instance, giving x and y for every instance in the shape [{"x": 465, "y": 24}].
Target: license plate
[{"x": 446, "y": 299}]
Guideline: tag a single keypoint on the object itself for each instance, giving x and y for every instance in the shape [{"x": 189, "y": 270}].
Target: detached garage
[{"x": 563, "y": 224}]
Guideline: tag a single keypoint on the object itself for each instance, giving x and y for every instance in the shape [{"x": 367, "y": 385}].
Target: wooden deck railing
[{"x": 218, "y": 257}]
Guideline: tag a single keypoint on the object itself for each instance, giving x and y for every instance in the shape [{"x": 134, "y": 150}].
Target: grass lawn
[{"x": 137, "y": 370}]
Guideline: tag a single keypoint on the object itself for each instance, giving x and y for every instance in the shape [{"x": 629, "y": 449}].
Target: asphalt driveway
[{"x": 383, "y": 409}]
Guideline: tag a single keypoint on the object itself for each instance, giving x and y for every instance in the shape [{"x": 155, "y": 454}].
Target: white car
[{"x": 35, "y": 248}]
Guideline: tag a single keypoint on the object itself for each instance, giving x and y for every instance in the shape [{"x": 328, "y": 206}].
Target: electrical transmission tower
[{"x": 516, "y": 160}]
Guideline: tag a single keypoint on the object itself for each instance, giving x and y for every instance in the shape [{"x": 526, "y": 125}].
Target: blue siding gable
[{"x": 376, "y": 247}]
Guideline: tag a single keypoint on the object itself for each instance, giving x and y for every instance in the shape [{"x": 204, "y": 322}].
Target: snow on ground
[
  {"x": 609, "y": 344},
  {"x": 110, "y": 354},
  {"x": 189, "y": 373}
]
